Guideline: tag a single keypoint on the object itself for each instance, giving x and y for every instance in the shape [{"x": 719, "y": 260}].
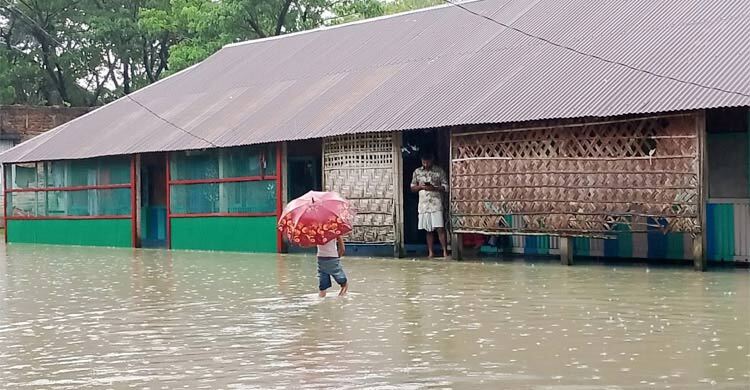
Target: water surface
[{"x": 107, "y": 318}]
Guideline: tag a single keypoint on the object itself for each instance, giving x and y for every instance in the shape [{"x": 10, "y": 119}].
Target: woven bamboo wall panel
[
  {"x": 578, "y": 179},
  {"x": 361, "y": 168}
]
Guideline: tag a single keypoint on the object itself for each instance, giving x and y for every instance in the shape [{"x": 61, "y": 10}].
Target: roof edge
[
  {"x": 349, "y": 24},
  {"x": 124, "y": 97},
  {"x": 618, "y": 116}
]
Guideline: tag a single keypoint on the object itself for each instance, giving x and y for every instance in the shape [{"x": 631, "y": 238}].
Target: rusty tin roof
[{"x": 431, "y": 68}]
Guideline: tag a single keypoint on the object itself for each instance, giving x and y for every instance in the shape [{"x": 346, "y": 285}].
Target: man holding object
[{"x": 430, "y": 182}]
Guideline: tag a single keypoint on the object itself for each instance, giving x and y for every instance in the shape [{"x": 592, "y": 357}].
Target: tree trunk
[
  {"x": 126, "y": 76},
  {"x": 54, "y": 72},
  {"x": 163, "y": 57},
  {"x": 112, "y": 66},
  {"x": 147, "y": 64},
  {"x": 255, "y": 26},
  {"x": 61, "y": 84},
  {"x": 282, "y": 16},
  {"x": 100, "y": 87},
  {"x": 133, "y": 76}
]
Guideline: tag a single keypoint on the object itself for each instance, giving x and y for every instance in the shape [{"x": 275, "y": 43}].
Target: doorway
[
  {"x": 304, "y": 167},
  {"x": 303, "y": 175},
  {"x": 414, "y": 143},
  {"x": 153, "y": 200}
]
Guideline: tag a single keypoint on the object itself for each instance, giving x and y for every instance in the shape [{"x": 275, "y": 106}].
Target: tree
[
  {"x": 21, "y": 80},
  {"x": 88, "y": 52},
  {"x": 351, "y": 10},
  {"x": 205, "y": 26},
  {"x": 47, "y": 34}
]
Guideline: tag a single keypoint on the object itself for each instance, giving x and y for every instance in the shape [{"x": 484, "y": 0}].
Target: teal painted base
[
  {"x": 85, "y": 232},
  {"x": 625, "y": 245},
  {"x": 728, "y": 231},
  {"x": 369, "y": 250},
  {"x": 236, "y": 234}
]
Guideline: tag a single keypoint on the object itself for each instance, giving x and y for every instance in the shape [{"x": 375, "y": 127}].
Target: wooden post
[
  {"x": 4, "y": 168},
  {"x": 398, "y": 187},
  {"x": 223, "y": 196},
  {"x": 284, "y": 173},
  {"x": 700, "y": 259},
  {"x": 138, "y": 239},
  {"x": 168, "y": 179},
  {"x": 566, "y": 251},
  {"x": 457, "y": 246},
  {"x": 279, "y": 193},
  {"x": 748, "y": 150},
  {"x": 456, "y": 240},
  {"x": 699, "y": 254},
  {"x": 323, "y": 184}
]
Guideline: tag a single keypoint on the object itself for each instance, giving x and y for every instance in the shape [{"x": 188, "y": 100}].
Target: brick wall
[{"x": 21, "y": 123}]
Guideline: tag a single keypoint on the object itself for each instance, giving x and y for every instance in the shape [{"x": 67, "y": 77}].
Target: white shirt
[
  {"x": 430, "y": 201},
  {"x": 330, "y": 249}
]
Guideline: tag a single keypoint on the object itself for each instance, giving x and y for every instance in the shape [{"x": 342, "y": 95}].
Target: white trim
[{"x": 354, "y": 23}]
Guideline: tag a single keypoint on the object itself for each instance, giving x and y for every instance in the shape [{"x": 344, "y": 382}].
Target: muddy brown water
[{"x": 74, "y": 318}]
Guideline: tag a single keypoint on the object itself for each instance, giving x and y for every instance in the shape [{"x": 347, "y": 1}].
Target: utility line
[
  {"x": 13, "y": 8},
  {"x": 594, "y": 56}
]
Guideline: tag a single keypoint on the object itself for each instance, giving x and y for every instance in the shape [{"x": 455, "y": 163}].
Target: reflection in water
[{"x": 106, "y": 318}]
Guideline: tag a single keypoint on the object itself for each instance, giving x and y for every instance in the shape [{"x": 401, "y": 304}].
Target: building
[
  {"x": 627, "y": 136},
  {"x": 20, "y": 123}
]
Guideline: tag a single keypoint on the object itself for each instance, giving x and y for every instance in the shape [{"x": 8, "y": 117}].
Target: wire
[
  {"x": 170, "y": 122},
  {"x": 594, "y": 56},
  {"x": 462, "y": 7},
  {"x": 12, "y": 7}
]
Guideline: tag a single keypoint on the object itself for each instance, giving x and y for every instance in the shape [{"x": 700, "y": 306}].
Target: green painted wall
[
  {"x": 238, "y": 234},
  {"x": 86, "y": 232}
]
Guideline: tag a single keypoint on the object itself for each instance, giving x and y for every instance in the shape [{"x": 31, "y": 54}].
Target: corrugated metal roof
[{"x": 431, "y": 68}]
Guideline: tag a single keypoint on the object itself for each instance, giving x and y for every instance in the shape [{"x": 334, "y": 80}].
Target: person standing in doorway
[{"x": 430, "y": 182}]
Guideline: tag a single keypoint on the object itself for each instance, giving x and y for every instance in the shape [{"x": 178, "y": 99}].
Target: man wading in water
[{"x": 430, "y": 182}]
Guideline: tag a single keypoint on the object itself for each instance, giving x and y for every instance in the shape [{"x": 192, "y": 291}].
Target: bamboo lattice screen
[
  {"x": 361, "y": 168},
  {"x": 589, "y": 179}
]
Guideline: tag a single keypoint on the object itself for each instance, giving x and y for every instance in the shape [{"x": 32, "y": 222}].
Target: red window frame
[
  {"x": 240, "y": 179},
  {"x": 131, "y": 185}
]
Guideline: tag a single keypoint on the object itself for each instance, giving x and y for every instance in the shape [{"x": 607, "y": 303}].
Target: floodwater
[{"x": 106, "y": 318}]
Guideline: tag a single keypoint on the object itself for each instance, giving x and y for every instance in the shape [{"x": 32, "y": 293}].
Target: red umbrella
[{"x": 316, "y": 218}]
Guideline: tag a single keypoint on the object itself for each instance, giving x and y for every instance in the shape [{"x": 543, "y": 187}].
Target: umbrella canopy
[{"x": 316, "y": 218}]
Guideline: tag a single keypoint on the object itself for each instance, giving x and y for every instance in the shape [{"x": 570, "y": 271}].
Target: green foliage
[
  {"x": 409, "y": 5},
  {"x": 88, "y": 52},
  {"x": 20, "y": 79},
  {"x": 352, "y": 10}
]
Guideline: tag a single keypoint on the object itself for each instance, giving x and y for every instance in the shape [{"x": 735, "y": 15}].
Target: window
[
  {"x": 251, "y": 196},
  {"x": 58, "y": 189},
  {"x": 195, "y": 198},
  {"x": 232, "y": 181},
  {"x": 194, "y": 165},
  {"x": 728, "y": 145}
]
